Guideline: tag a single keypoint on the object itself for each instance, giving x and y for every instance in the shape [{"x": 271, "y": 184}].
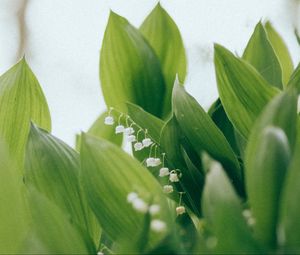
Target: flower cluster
[
  {"x": 152, "y": 161},
  {"x": 156, "y": 225}
]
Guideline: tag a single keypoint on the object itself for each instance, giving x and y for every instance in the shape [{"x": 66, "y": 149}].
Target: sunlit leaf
[
  {"x": 260, "y": 54},
  {"x": 108, "y": 176},
  {"x": 52, "y": 168},
  {"x": 21, "y": 100},
  {"x": 223, "y": 210},
  {"x": 281, "y": 51},
  {"x": 129, "y": 68},
  {"x": 243, "y": 91},
  {"x": 203, "y": 134},
  {"x": 163, "y": 35}
]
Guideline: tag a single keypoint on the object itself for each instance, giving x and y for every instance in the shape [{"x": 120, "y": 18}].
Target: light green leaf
[
  {"x": 243, "y": 91},
  {"x": 21, "y": 100},
  {"x": 294, "y": 81},
  {"x": 52, "y": 231},
  {"x": 163, "y": 35},
  {"x": 223, "y": 210},
  {"x": 289, "y": 223},
  {"x": 52, "y": 167},
  {"x": 281, "y": 51},
  {"x": 203, "y": 134},
  {"x": 129, "y": 68},
  {"x": 13, "y": 211},
  {"x": 260, "y": 54},
  {"x": 266, "y": 164},
  {"x": 108, "y": 176}
]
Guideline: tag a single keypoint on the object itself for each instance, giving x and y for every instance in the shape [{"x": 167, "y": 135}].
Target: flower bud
[
  {"x": 109, "y": 120},
  {"x": 158, "y": 226},
  {"x": 180, "y": 210},
  {"x": 168, "y": 189}
]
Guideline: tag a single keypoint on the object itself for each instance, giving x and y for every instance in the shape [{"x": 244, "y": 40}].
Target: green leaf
[
  {"x": 21, "y": 100},
  {"x": 52, "y": 167},
  {"x": 129, "y": 68},
  {"x": 289, "y": 223},
  {"x": 223, "y": 210},
  {"x": 260, "y": 54},
  {"x": 13, "y": 210},
  {"x": 281, "y": 51},
  {"x": 108, "y": 176},
  {"x": 294, "y": 81},
  {"x": 163, "y": 35},
  {"x": 203, "y": 134},
  {"x": 52, "y": 232},
  {"x": 266, "y": 163},
  {"x": 243, "y": 91}
]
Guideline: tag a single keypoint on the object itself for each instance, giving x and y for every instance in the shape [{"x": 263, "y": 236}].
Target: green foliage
[{"x": 196, "y": 182}]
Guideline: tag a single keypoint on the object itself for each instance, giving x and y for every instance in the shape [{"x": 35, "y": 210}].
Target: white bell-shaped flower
[
  {"x": 150, "y": 162},
  {"x": 131, "y": 197},
  {"x": 154, "y": 209},
  {"x": 129, "y": 131},
  {"x": 138, "y": 146},
  {"x": 131, "y": 138},
  {"x": 180, "y": 210},
  {"x": 157, "y": 161},
  {"x": 119, "y": 129},
  {"x": 147, "y": 142},
  {"x": 158, "y": 225},
  {"x": 168, "y": 189},
  {"x": 173, "y": 176},
  {"x": 140, "y": 205},
  {"x": 109, "y": 120},
  {"x": 164, "y": 171}
]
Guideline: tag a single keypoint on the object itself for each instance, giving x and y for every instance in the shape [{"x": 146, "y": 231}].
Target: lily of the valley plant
[{"x": 226, "y": 180}]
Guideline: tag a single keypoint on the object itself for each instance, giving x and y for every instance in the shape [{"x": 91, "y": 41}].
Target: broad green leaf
[
  {"x": 294, "y": 81},
  {"x": 266, "y": 163},
  {"x": 289, "y": 223},
  {"x": 13, "y": 213},
  {"x": 21, "y": 100},
  {"x": 145, "y": 120},
  {"x": 203, "y": 134},
  {"x": 108, "y": 176},
  {"x": 260, "y": 54},
  {"x": 52, "y": 167},
  {"x": 52, "y": 231},
  {"x": 281, "y": 51},
  {"x": 223, "y": 210},
  {"x": 243, "y": 91},
  {"x": 129, "y": 68},
  {"x": 163, "y": 35}
]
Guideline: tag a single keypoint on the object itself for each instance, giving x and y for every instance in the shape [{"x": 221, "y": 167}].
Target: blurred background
[{"x": 62, "y": 38}]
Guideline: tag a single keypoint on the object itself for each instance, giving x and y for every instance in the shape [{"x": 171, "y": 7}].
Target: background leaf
[
  {"x": 260, "y": 54},
  {"x": 129, "y": 68},
  {"x": 164, "y": 37},
  {"x": 243, "y": 91},
  {"x": 21, "y": 100}
]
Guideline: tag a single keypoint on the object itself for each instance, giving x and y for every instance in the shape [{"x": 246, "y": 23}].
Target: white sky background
[{"x": 63, "y": 40}]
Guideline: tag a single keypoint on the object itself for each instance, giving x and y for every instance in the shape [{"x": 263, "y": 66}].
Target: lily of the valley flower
[
  {"x": 119, "y": 129},
  {"x": 138, "y": 146},
  {"x": 157, "y": 161},
  {"x": 164, "y": 171},
  {"x": 129, "y": 131},
  {"x": 158, "y": 225},
  {"x": 147, "y": 142},
  {"x": 154, "y": 209},
  {"x": 131, "y": 138},
  {"x": 168, "y": 189},
  {"x": 173, "y": 176},
  {"x": 140, "y": 205},
  {"x": 180, "y": 210},
  {"x": 109, "y": 120},
  {"x": 131, "y": 197},
  {"x": 150, "y": 161}
]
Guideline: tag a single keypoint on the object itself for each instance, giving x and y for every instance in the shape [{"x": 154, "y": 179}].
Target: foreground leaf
[
  {"x": 222, "y": 208},
  {"x": 21, "y": 100},
  {"x": 204, "y": 134},
  {"x": 106, "y": 169},
  {"x": 163, "y": 35},
  {"x": 129, "y": 68},
  {"x": 260, "y": 54},
  {"x": 52, "y": 168},
  {"x": 243, "y": 91}
]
